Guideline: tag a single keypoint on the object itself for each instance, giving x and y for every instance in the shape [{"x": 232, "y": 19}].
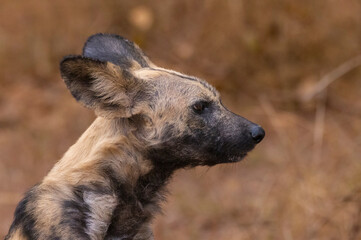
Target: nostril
[{"x": 257, "y": 133}]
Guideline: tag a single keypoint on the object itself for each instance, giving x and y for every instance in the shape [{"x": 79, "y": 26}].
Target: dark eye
[{"x": 200, "y": 106}]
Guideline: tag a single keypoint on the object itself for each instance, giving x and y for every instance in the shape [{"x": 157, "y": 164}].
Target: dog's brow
[{"x": 203, "y": 83}]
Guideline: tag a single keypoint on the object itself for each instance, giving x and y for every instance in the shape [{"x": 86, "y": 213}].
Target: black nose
[{"x": 257, "y": 133}]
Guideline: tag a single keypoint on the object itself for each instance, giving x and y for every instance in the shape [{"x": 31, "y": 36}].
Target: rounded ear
[
  {"x": 102, "y": 86},
  {"x": 115, "y": 49}
]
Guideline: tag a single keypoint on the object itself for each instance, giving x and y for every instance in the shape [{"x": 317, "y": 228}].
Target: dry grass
[{"x": 302, "y": 182}]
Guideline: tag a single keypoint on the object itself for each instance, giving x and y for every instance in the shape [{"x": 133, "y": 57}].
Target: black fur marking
[
  {"x": 176, "y": 153},
  {"x": 131, "y": 212},
  {"x": 54, "y": 235},
  {"x": 125, "y": 221},
  {"x": 153, "y": 183},
  {"x": 75, "y": 213},
  {"x": 23, "y": 218},
  {"x": 115, "y": 49}
]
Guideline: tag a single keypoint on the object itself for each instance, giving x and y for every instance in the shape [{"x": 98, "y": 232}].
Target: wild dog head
[{"x": 179, "y": 120}]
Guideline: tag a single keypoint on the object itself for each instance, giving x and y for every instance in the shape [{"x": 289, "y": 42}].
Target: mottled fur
[{"x": 151, "y": 122}]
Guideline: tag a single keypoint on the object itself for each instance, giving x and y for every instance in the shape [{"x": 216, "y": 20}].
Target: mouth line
[{"x": 236, "y": 158}]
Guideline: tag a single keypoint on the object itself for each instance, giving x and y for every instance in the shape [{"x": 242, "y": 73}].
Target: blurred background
[{"x": 291, "y": 66}]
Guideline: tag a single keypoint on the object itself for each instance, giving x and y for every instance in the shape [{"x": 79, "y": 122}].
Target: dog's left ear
[
  {"x": 104, "y": 87},
  {"x": 115, "y": 49}
]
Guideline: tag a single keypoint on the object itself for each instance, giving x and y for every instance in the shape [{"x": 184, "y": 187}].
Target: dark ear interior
[
  {"x": 115, "y": 49},
  {"x": 77, "y": 74},
  {"x": 102, "y": 86}
]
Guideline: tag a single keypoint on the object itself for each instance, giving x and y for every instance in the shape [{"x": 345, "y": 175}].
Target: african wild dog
[{"x": 151, "y": 121}]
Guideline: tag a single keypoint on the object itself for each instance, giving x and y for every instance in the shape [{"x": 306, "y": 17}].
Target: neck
[
  {"x": 106, "y": 144},
  {"x": 108, "y": 149},
  {"x": 152, "y": 182}
]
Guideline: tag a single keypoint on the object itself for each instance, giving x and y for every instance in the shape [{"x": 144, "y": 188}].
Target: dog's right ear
[
  {"x": 108, "y": 89},
  {"x": 115, "y": 49}
]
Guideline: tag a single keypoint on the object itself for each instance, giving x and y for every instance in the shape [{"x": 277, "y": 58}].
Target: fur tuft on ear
[
  {"x": 115, "y": 49},
  {"x": 102, "y": 86}
]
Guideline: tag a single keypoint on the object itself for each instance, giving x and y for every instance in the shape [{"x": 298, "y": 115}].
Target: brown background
[{"x": 265, "y": 57}]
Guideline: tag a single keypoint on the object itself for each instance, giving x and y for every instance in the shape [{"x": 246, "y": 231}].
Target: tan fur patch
[
  {"x": 147, "y": 73},
  {"x": 17, "y": 235},
  {"x": 95, "y": 148}
]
